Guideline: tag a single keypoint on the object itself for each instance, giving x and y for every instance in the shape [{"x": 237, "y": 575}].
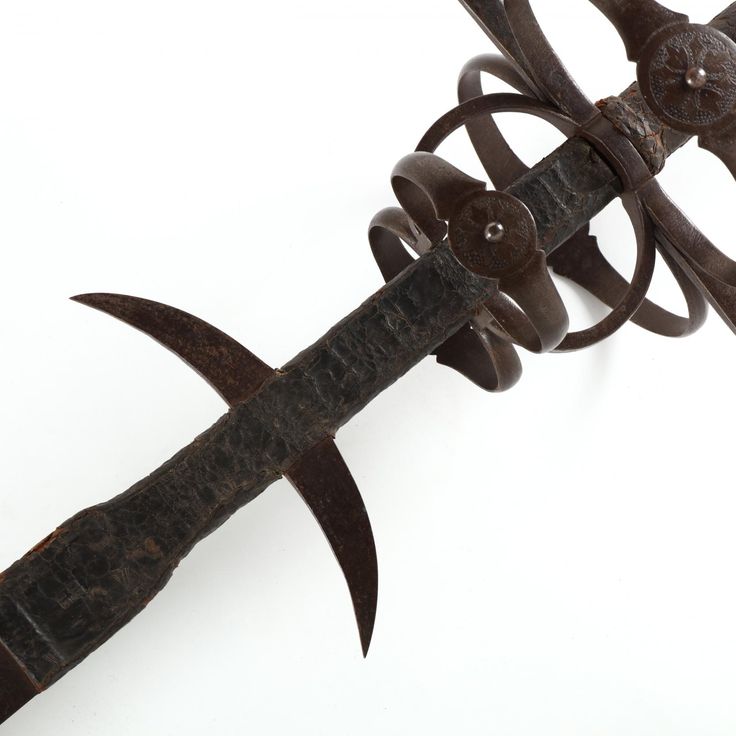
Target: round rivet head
[
  {"x": 492, "y": 234},
  {"x": 696, "y": 77},
  {"x": 495, "y": 232}
]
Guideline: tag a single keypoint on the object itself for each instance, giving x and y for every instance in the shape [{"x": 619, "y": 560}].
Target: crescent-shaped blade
[
  {"x": 325, "y": 483},
  {"x": 231, "y": 369},
  {"x": 320, "y": 475}
]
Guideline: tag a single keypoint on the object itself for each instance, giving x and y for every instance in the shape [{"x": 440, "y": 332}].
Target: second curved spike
[
  {"x": 320, "y": 475},
  {"x": 325, "y": 483},
  {"x": 232, "y": 370}
]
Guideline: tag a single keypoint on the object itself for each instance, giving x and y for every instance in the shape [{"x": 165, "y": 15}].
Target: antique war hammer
[{"x": 479, "y": 289}]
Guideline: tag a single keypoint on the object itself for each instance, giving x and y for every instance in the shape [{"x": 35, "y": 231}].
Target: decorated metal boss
[{"x": 479, "y": 290}]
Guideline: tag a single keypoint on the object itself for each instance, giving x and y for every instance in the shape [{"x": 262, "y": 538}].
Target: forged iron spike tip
[
  {"x": 324, "y": 481},
  {"x": 86, "y": 299},
  {"x": 321, "y": 475},
  {"x": 232, "y": 370}
]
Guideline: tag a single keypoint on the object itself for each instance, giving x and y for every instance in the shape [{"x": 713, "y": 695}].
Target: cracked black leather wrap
[
  {"x": 99, "y": 569},
  {"x": 566, "y": 190}
]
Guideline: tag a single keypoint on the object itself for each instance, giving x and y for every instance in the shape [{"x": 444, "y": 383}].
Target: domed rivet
[
  {"x": 494, "y": 232},
  {"x": 696, "y": 77}
]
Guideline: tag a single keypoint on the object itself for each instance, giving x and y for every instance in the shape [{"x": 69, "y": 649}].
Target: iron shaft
[{"x": 99, "y": 569}]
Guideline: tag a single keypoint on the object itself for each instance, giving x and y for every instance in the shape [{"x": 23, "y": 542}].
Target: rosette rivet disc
[
  {"x": 687, "y": 76},
  {"x": 492, "y": 234}
]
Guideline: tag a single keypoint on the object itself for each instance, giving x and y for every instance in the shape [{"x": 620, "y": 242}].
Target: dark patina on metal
[
  {"x": 468, "y": 280},
  {"x": 16, "y": 685}
]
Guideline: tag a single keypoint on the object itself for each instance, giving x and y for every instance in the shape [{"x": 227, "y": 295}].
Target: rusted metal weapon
[{"x": 480, "y": 289}]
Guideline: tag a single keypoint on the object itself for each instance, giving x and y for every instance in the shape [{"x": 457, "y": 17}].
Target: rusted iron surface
[
  {"x": 320, "y": 475},
  {"x": 101, "y": 568},
  {"x": 17, "y": 687},
  {"x": 325, "y": 483},
  {"x": 232, "y": 370},
  {"x": 479, "y": 289}
]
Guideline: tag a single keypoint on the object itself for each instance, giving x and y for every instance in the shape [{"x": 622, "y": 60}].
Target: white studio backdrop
[{"x": 555, "y": 560}]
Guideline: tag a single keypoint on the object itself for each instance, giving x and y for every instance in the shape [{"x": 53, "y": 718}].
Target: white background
[{"x": 556, "y": 560}]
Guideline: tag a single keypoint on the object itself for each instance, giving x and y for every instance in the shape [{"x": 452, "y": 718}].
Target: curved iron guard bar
[{"x": 699, "y": 268}]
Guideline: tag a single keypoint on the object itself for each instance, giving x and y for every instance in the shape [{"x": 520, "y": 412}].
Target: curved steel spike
[
  {"x": 324, "y": 482},
  {"x": 637, "y": 21},
  {"x": 320, "y": 475},
  {"x": 229, "y": 368}
]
